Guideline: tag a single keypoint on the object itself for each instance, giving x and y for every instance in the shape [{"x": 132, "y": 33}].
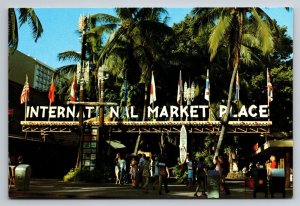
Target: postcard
[{"x": 150, "y": 103}]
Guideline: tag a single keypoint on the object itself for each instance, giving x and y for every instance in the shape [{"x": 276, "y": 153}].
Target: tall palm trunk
[
  {"x": 138, "y": 140},
  {"x": 235, "y": 57}
]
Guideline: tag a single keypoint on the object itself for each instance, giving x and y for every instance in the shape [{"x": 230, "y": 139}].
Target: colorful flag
[
  {"x": 25, "y": 92},
  {"x": 270, "y": 87},
  {"x": 207, "y": 87},
  {"x": 179, "y": 89},
  {"x": 73, "y": 89},
  {"x": 51, "y": 92},
  {"x": 152, "y": 90},
  {"x": 237, "y": 87}
]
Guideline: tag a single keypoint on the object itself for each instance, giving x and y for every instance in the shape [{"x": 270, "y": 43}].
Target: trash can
[
  {"x": 277, "y": 181},
  {"x": 260, "y": 181},
  {"x": 22, "y": 176},
  {"x": 213, "y": 184}
]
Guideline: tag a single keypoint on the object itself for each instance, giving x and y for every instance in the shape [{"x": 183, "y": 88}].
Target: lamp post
[
  {"x": 188, "y": 96},
  {"x": 189, "y": 93}
]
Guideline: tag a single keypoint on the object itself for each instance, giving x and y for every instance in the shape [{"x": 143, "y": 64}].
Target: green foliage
[
  {"x": 72, "y": 175},
  {"x": 180, "y": 173},
  {"x": 75, "y": 174}
]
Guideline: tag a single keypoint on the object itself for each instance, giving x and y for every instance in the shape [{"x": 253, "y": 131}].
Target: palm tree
[
  {"x": 135, "y": 47},
  {"x": 94, "y": 40},
  {"x": 26, "y": 15},
  {"x": 240, "y": 30}
]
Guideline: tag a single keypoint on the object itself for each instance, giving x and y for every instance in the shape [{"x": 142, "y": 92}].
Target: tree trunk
[
  {"x": 237, "y": 36},
  {"x": 287, "y": 168},
  {"x": 138, "y": 140}
]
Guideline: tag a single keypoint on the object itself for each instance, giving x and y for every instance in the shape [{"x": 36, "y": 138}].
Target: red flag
[
  {"x": 152, "y": 90},
  {"x": 51, "y": 92},
  {"x": 73, "y": 89},
  {"x": 25, "y": 92}
]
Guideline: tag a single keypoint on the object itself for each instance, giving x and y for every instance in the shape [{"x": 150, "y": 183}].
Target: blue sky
[{"x": 60, "y": 25}]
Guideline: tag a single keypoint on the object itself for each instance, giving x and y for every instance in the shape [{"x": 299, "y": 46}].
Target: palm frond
[
  {"x": 69, "y": 56},
  {"x": 99, "y": 30},
  {"x": 104, "y": 18},
  {"x": 264, "y": 33},
  {"x": 29, "y": 15},
  {"x": 250, "y": 40},
  {"x": 13, "y": 39},
  {"x": 67, "y": 70},
  {"x": 246, "y": 55},
  {"x": 218, "y": 33}
]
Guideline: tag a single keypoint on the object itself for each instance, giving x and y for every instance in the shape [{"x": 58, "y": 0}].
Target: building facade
[{"x": 39, "y": 74}]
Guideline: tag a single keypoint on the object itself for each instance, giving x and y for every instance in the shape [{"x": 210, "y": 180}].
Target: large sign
[{"x": 192, "y": 111}]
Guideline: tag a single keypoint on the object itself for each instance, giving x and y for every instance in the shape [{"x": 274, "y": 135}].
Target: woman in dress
[{"x": 117, "y": 168}]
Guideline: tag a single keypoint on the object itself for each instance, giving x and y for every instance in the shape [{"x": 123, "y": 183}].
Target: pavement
[{"x": 57, "y": 189}]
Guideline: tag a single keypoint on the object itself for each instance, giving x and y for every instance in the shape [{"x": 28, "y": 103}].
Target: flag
[
  {"x": 179, "y": 89},
  {"x": 207, "y": 87},
  {"x": 25, "y": 92},
  {"x": 51, "y": 92},
  {"x": 73, "y": 89},
  {"x": 270, "y": 88},
  {"x": 152, "y": 90},
  {"x": 237, "y": 87}
]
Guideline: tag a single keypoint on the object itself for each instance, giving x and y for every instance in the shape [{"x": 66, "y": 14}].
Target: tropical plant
[
  {"x": 240, "y": 30},
  {"x": 26, "y": 15},
  {"x": 135, "y": 47},
  {"x": 93, "y": 40}
]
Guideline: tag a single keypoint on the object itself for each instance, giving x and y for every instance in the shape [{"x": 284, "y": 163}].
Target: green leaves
[
  {"x": 264, "y": 33},
  {"x": 218, "y": 34},
  {"x": 26, "y": 15}
]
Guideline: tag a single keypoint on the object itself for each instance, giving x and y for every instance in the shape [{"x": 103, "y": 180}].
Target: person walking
[
  {"x": 190, "y": 171},
  {"x": 122, "y": 171},
  {"x": 223, "y": 170},
  {"x": 146, "y": 173},
  {"x": 163, "y": 174},
  {"x": 117, "y": 167},
  {"x": 201, "y": 173},
  {"x": 155, "y": 172},
  {"x": 134, "y": 172}
]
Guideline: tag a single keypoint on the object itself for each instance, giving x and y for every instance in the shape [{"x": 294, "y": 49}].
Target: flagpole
[
  {"x": 26, "y": 108},
  {"x": 50, "y": 99},
  {"x": 152, "y": 95},
  {"x": 238, "y": 95},
  {"x": 209, "y": 110},
  {"x": 268, "y": 93},
  {"x": 49, "y": 111}
]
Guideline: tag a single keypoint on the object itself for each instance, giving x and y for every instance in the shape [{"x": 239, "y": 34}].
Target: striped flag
[
  {"x": 152, "y": 90},
  {"x": 51, "y": 92},
  {"x": 179, "y": 90},
  {"x": 25, "y": 92},
  {"x": 207, "y": 87},
  {"x": 270, "y": 87},
  {"x": 73, "y": 89},
  {"x": 237, "y": 87}
]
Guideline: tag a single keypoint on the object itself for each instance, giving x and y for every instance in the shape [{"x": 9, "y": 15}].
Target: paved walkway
[{"x": 57, "y": 189}]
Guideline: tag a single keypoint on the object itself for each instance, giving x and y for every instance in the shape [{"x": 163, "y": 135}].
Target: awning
[
  {"x": 275, "y": 144},
  {"x": 116, "y": 144}
]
